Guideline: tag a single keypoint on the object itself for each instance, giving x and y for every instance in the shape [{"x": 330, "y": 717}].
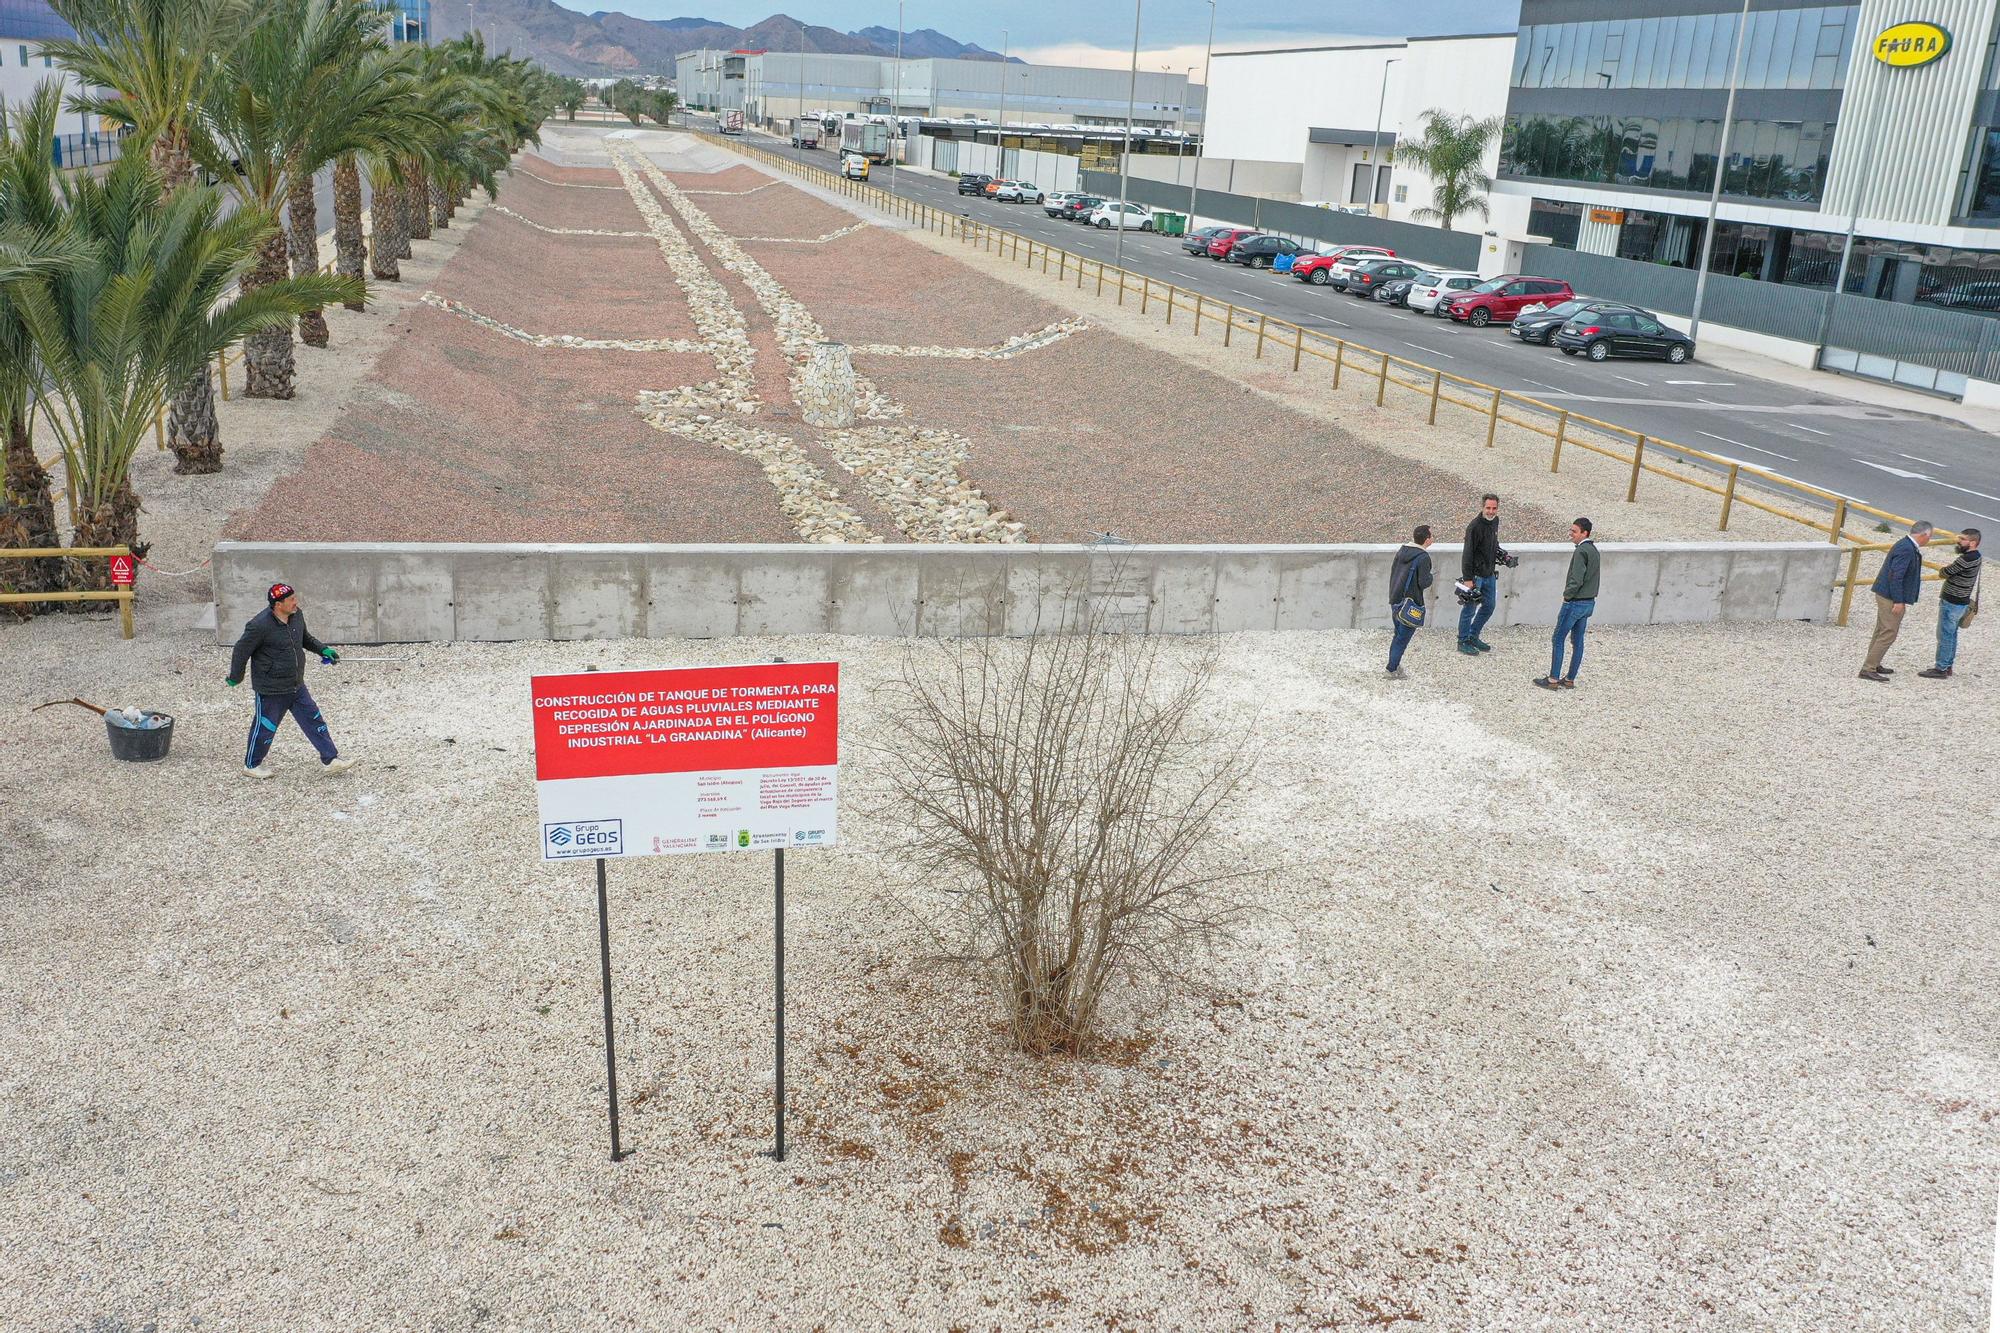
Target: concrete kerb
[{"x": 396, "y": 592}]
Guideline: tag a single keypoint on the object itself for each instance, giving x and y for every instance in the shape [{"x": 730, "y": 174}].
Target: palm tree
[
  {"x": 571, "y": 97},
  {"x": 148, "y": 303},
  {"x": 158, "y": 57},
  {"x": 28, "y": 245},
  {"x": 1452, "y": 152}
]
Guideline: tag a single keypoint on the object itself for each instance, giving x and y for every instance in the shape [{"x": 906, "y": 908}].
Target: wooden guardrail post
[
  {"x": 1100, "y": 277},
  {"x": 1062, "y": 265},
  {"x": 1263, "y": 321},
  {"x": 1839, "y": 522},
  {"x": 1492, "y": 418},
  {"x": 1145, "y": 292},
  {"x": 1121, "y": 286},
  {"x": 1171, "y": 289},
  {"x": 1853, "y": 577},
  {"x": 1728, "y": 498},
  {"x": 1198, "y": 303},
  {"x": 1339, "y": 359},
  {"x": 1382, "y": 381},
  {"x": 1437, "y": 387},
  {"x": 1298, "y": 344},
  {"x": 1562, "y": 430},
  {"x": 1045, "y": 261},
  {"x": 1228, "y": 324},
  {"x": 222, "y": 371},
  {"x": 1638, "y": 457},
  {"x": 160, "y": 426}
]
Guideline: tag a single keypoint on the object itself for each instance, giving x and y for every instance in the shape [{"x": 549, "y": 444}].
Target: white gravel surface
[{"x": 1669, "y": 1003}]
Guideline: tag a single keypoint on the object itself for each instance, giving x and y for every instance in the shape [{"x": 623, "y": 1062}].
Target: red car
[
  {"x": 1498, "y": 300},
  {"x": 1225, "y": 241},
  {"x": 1319, "y": 269}
]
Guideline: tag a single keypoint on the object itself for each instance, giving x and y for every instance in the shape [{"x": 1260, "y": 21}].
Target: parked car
[
  {"x": 1500, "y": 299},
  {"x": 1599, "y": 334},
  {"x": 1540, "y": 324},
  {"x": 1965, "y": 296},
  {"x": 1220, "y": 244},
  {"x": 1196, "y": 241},
  {"x": 1429, "y": 297},
  {"x": 1018, "y": 192},
  {"x": 1052, "y": 203},
  {"x": 973, "y": 184},
  {"x": 992, "y": 187},
  {"x": 1364, "y": 278},
  {"x": 1261, "y": 251},
  {"x": 1396, "y": 291},
  {"x": 1080, "y": 208},
  {"x": 1111, "y": 214},
  {"x": 1320, "y": 269}
]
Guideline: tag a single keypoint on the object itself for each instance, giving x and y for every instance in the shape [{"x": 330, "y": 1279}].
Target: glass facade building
[{"x": 411, "y": 21}]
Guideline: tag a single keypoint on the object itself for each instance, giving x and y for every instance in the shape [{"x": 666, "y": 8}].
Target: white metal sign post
[{"x": 683, "y": 761}]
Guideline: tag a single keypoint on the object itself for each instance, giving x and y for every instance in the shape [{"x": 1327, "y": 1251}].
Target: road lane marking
[
  {"x": 1975, "y": 513},
  {"x": 1707, "y": 384},
  {"x": 1432, "y": 350},
  {"x": 1552, "y": 388},
  {"x": 1810, "y": 431},
  {"x": 1914, "y": 459},
  {"x": 1753, "y": 448},
  {"x": 1629, "y": 380}
]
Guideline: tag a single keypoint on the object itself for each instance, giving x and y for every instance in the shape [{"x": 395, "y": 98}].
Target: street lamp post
[
  {"x": 1002, "y": 122},
  {"x": 1125, "y": 158},
  {"x": 1861, "y": 183},
  {"x": 1180, "y": 133},
  {"x": 1194, "y": 186},
  {"x": 1721, "y": 165},
  {"x": 896, "y": 103},
  {"x": 1375, "y": 144}
]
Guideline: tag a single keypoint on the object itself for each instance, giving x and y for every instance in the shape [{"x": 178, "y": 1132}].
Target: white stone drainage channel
[
  {"x": 472, "y": 316},
  {"x": 563, "y": 185},
  {"x": 912, "y": 473},
  {"x": 505, "y": 211},
  {"x": 1018, "y": 345},
  {"x": 804, "y": 240}
]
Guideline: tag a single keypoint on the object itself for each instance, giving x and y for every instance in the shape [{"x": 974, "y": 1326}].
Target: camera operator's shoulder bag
[{"x": 1410, "y": 611}]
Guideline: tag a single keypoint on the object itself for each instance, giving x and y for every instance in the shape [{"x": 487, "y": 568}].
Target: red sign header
[{"x": 602, "y": 724}]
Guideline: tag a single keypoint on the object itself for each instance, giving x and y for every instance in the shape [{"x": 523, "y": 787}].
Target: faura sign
[{"x": 1912, "y": 43}]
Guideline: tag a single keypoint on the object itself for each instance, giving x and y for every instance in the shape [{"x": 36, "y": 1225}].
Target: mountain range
[{"x": 608, "y": 43}]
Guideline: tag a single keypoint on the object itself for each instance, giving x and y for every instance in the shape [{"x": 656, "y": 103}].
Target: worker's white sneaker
[
  {"x": 340, "y": 765},
  {"x": 263, "y": 770}
]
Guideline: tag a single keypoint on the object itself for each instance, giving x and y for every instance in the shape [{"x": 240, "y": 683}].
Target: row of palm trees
[
  {"x": 636, "y": 102},
  {"x": 118, "y": 291}
]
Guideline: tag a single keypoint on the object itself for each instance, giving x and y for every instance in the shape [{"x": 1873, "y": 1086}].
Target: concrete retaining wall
[{"x": 434, "y": 592}]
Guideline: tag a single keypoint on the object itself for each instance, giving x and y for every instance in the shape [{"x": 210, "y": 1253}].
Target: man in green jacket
[{"x": 1579, "y": 600}]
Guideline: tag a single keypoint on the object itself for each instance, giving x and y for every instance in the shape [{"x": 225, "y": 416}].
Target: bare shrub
[{"x": 1058, "y": 786}]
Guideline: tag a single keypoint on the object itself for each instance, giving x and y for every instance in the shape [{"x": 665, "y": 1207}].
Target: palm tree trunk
[
  {"x": 302, "y": 210},
  {"x": 404, "y": 192},
  {"x": 420, "y": 206},
  {"x": 387, "y": 212},
  {"x": 27, "y": 521},
  {"x": 350, "y": 247},
  {"x": 192, "y": 431},
  {"x": 267, "y": 357},
  {"x": 112, "y": 523},
  {"x": 440, "y": 206}
]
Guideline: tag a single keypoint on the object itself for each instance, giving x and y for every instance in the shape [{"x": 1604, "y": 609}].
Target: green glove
[
  {"x": 328, "y": 656},
  {"x": 231, "y": 680}
]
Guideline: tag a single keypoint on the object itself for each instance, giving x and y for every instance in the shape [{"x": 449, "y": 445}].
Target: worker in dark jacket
[
  {"x": 1480, "y": 567},
  {"x": 1409, "y": 579},
  {"x": 1956, "y": 600},
  {"x": 1579, "y": 600},
  {"x": 274, "y": 645},
  {"x": 1896, "y": 588}
]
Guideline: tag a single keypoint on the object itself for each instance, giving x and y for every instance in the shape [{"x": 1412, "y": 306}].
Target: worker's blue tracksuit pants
[{"x": 271, "y": 710}]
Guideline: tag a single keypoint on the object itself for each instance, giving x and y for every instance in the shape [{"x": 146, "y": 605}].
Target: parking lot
[{"x": 1907, "y": 462}]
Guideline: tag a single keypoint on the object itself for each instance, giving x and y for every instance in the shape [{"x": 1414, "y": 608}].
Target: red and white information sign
[
  {"x": 694, "y": 759},
  {"x": 123, "y": 571}
]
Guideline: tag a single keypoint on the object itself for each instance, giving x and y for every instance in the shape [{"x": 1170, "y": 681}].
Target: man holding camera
[{"x": 1479, "y": 575}]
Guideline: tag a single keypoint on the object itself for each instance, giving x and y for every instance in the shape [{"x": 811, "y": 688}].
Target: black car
[
  {"x": 1542, "y": 325},
  {"x": 1605, "y": 333},
  {"x": 1080, "y": 208},
  {"x": 1259, "y": 251},
  {"x": 1396, "y": 292},
  {"x": 973, "y": 184},
  {"x": 1196, "y": 241},
  {"x": 1363, "y": 279}
]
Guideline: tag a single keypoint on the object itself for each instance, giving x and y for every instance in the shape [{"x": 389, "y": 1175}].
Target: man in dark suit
[{"x": 1896, "y": 590}]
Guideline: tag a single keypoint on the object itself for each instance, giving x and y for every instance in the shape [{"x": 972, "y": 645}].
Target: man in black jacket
[
  {"x": 274, "y": 644},
  {"x": 1480, "y": 566}
]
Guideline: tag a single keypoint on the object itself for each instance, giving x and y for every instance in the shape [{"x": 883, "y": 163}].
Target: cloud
[{"x": 1172, "y": 59}]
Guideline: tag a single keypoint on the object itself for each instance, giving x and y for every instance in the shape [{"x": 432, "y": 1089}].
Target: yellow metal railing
[{"x": 1826, "y": 511}]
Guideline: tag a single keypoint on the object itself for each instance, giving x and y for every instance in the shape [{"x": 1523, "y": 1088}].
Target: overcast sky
[{"x": 1069, "y": 32}]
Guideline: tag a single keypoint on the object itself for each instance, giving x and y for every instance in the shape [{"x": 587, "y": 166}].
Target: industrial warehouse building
[{"x": 772, "y": 85}]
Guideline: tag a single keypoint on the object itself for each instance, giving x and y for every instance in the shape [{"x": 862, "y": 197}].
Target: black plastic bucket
[{"x": 140, "y": 744}]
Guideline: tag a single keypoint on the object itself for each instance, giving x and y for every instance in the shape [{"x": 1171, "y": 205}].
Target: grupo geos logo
[{"x": 584, "y": 837}]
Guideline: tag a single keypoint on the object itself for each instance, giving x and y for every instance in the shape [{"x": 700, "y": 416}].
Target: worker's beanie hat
[{"x": 278, "y": 593}]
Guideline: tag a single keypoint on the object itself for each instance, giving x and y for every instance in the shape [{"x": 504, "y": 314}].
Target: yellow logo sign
[{"x": 1913, "y": 43}]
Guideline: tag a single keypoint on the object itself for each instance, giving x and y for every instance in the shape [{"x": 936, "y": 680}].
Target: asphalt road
[{"x": 1904, "y": 462}]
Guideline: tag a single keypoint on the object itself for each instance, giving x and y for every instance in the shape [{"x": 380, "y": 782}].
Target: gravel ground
[
  {"x": 587, "y": 286},
  {"x": 556, "y": 206},
  {"x": 1620, "y": 1041},
  {"x": 777, "y": 211}
]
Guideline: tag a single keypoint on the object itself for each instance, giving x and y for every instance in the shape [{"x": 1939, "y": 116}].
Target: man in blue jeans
[
  {"x": 1959, "y": 599},
  {"x": 1480, "y": 567},
  {"x": 1409, "y": 580},
  {"x": 274, "y": 645},
  {"x": 1579, "y": 600}
]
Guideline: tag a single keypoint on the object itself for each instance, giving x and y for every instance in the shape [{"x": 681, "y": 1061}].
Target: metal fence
[
  {"x": 71, "y": 151},
  {"x": 1446, "y": 249}
]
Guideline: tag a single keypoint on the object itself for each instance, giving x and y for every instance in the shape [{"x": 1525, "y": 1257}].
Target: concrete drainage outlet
[{"x": 826, "y": 386}]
